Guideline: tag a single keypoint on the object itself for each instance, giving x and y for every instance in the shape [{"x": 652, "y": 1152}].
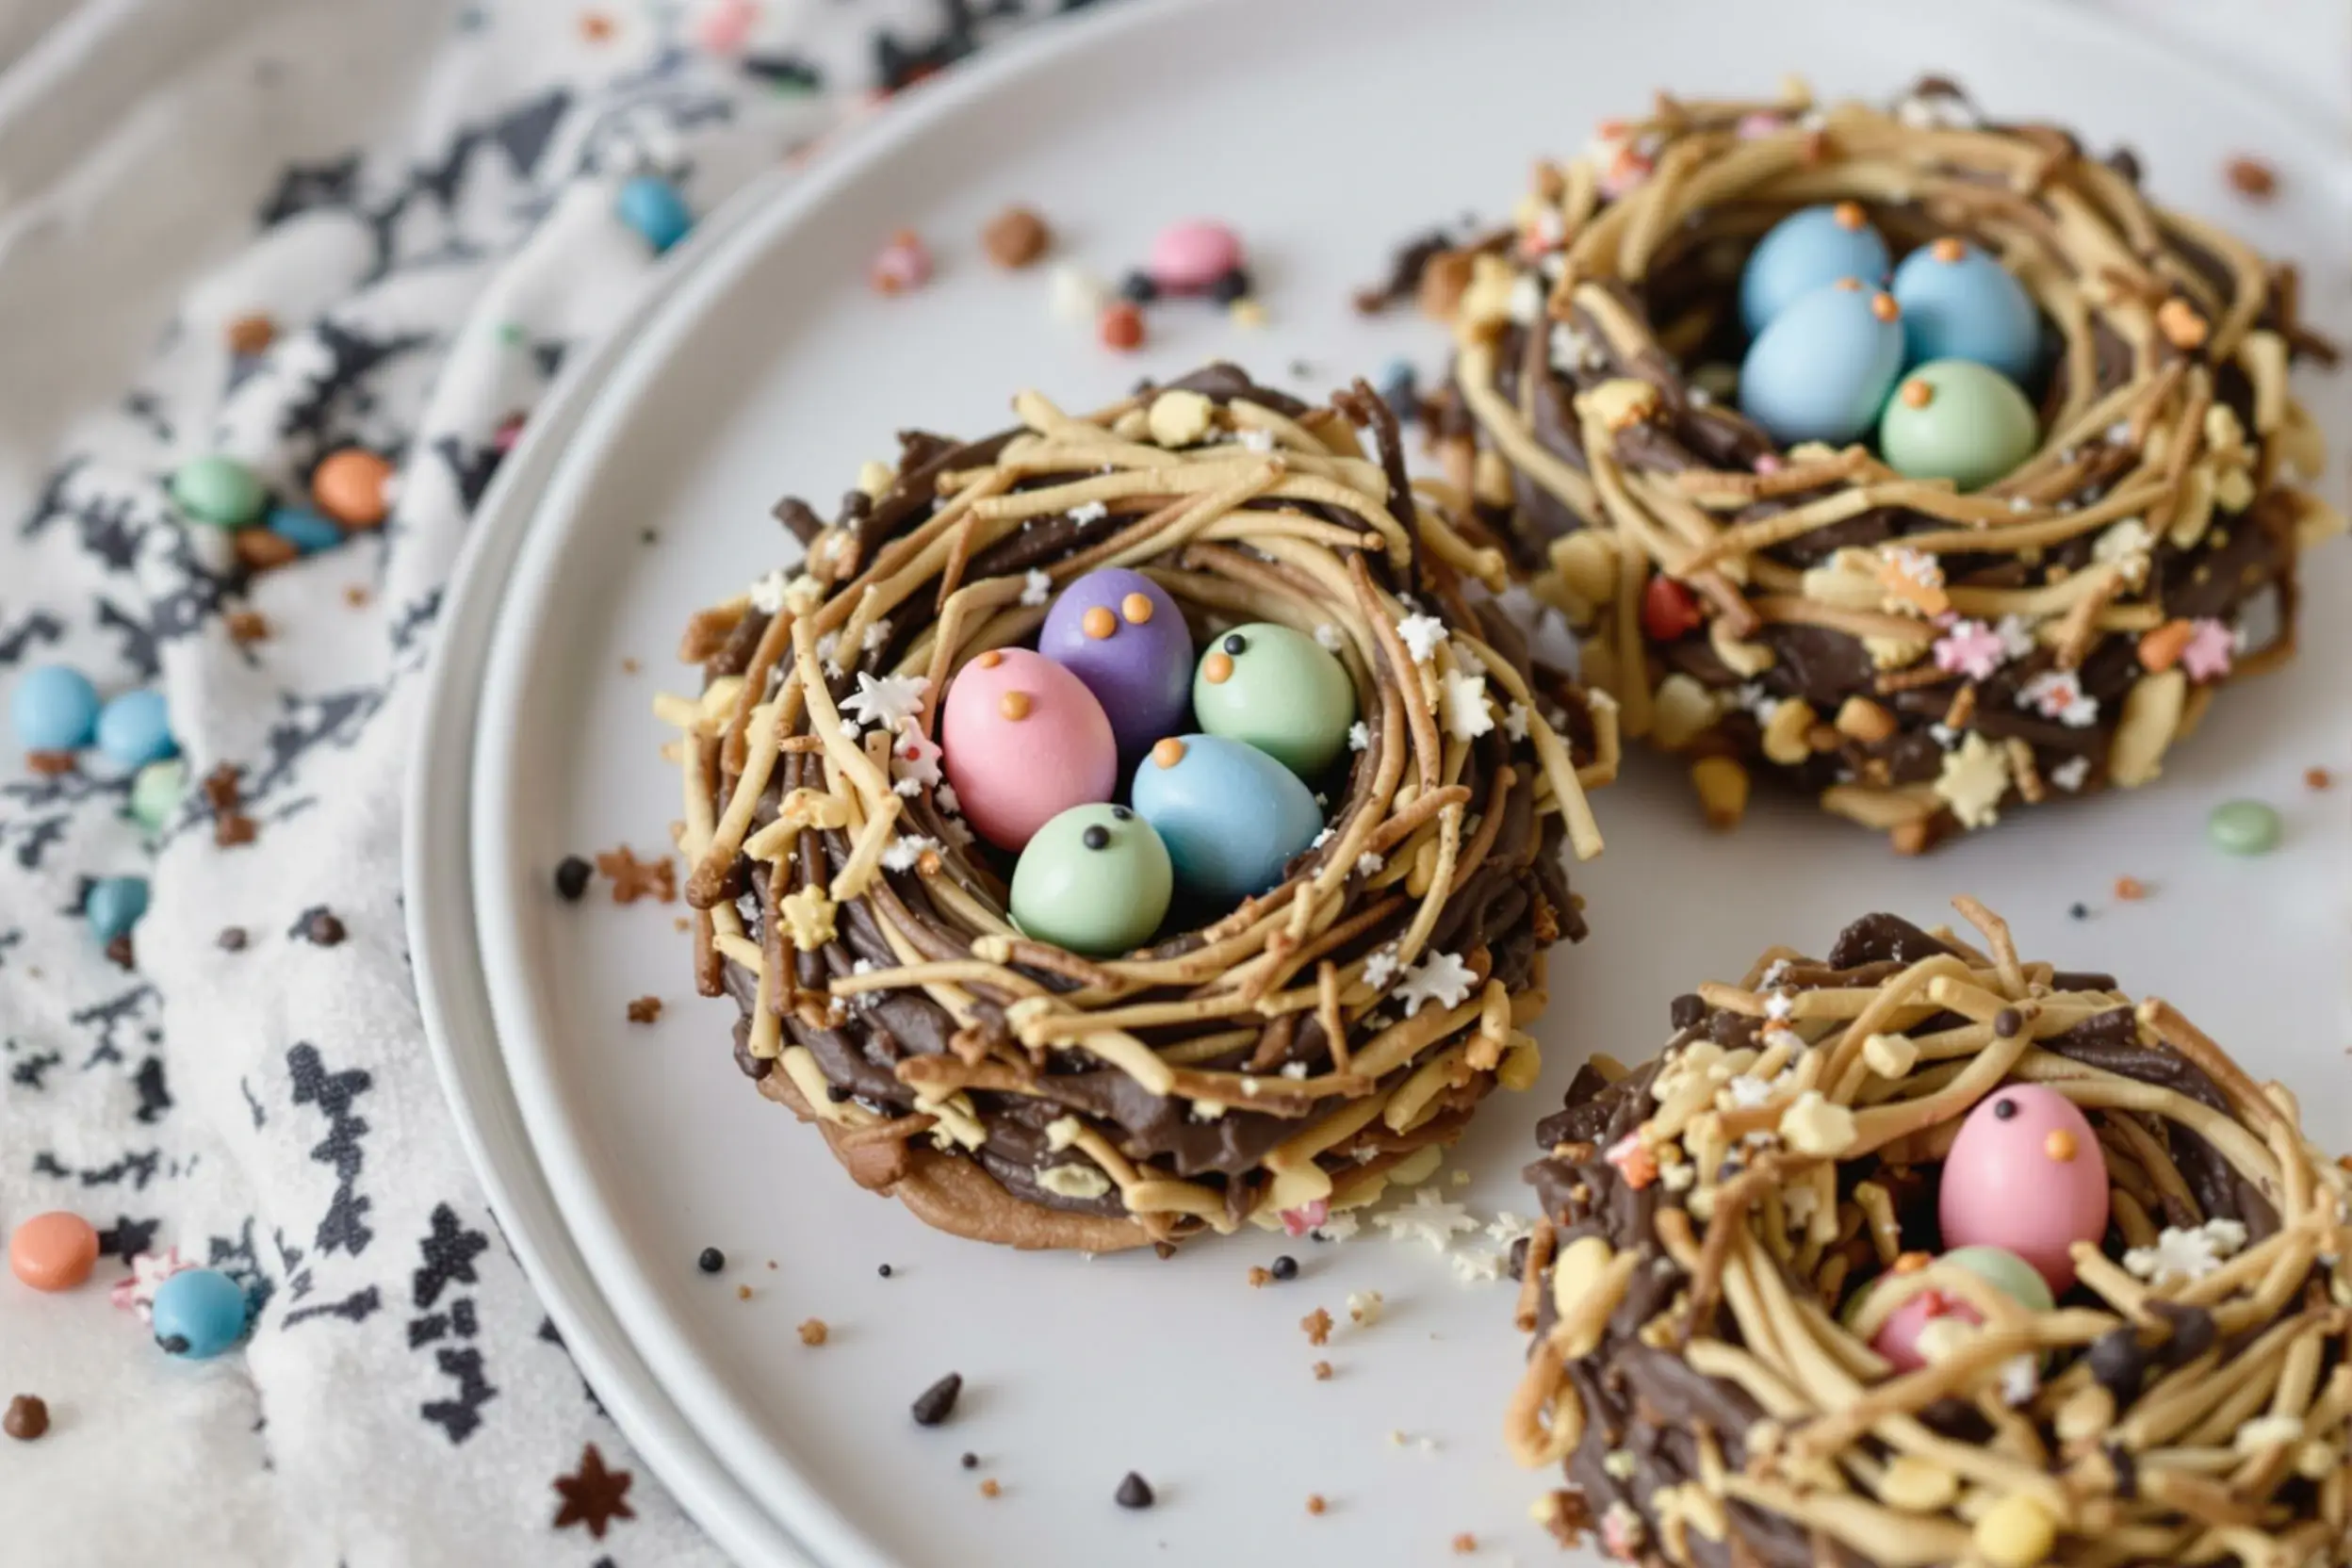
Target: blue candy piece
[
  {"x": 1822, "y": 369},
  {"x": 1230, "y": 815},
  {"x": 303, "y": 529},
  {"x": 114, "y": 904},
  {"x": 199, "y": 1312},
  {"x": 1805, "y": 250},
  {"x": 652, "y": 207},
  {"x": 136, "y": 729},
  {"x": 54, "y": 709},
  {"x": 1958, "y": 302}
]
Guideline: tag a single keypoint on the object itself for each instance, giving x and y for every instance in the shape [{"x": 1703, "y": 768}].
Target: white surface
[{"x": 772, "y": 369}]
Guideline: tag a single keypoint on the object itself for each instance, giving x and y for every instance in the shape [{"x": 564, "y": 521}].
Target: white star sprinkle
[
  {"x": 1461, "y": 700},
  {"x": 1380, "y": 967},
  {"x": 1439, "y": 977},
  {"x": 876, "y": 636},
  {"x": 1369, "y": 864},
  {"x": 1089, "y": 511},
  {"x": 767, "y": 593},
  {"x": 2073, "y": 773},
  {"x": 889, "y": 702},
  {"x": 1339, "y": 1226},
  {"x": 905, "y": 850},
  {"x": 2020, "y": 1380},
  {"x": 1036, "y": 588},
  {"x": 1421, "y": 634},
  {"x": 2059, "y": 695},
  {"x": 1427, "y": 1218},
  {"x": 1257, "y": 439},
  {"x": 1516, "y": 720},
  {"x": 1330, "y": 638},
  {"x": 1358, "y": 736},
  {"x": 914, "y": 758},
  {"x": 1477, "y": 1266},
  {"x": 1508, "y": 1228},
  {"x": 2187, "y": 1255}
]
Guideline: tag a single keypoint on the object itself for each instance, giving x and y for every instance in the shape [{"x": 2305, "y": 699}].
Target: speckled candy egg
[
  {"x": 1898, "y": 1338},
  {"x": 1279, "y": 691},
  {"x": 1802, "y": 252},
  {"x": 1822, "y": 369},
  {"x": 1096, "y": 880},
  {"x": 1958, "y": 302},
  {"x": 2025, "y": 1173},
  {"x": 1956, "y": 419},
  {"x": 1120, "y": 632},
  {"x": 1231, "y": 815},
  {"x": 1022, "y": 741}
]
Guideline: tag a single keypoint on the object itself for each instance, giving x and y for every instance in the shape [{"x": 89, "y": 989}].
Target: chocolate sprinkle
[
  {"x": 938, "y": 1402},
  {"x": 1285, "y": 1267},
  {"x": 571, "y": 877},
  {"x": 711, "y": 1260},
  {"x": 1134, "y": 1492},
  {"x": 231, "y": 939},
  {"x": 29, "y": 1418}
]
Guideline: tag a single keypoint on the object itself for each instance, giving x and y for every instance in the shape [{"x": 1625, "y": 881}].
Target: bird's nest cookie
[
  {"x": 1289, "y": 1055},
  {"x": 1919, "y": 657},
  {"x": 1711, "y": 1220}
]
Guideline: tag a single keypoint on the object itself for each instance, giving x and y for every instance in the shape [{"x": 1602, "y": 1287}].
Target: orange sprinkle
[
  {"x": 595, "y": 26},
  {"x": 1918, "y": 393},
  {"x": 1848, "y": 214},
  {"x": 1949, "y": 248},
  {"x": 1634, "y": 1162},
  {"x": 1322, "y": 1371},
  {"x": 1852, "y": 285},
  {"x": 1168, "y": 753},
  {"x": 1883, "y": 307},
  {"x": 989, "y": 1488},
  {"x": 2161, "y": 649},
  {"x": 1318, "y": 1326},
  {"x": 989, "y": 660},
  {"x": 2130, "y": 888},
  {"x": 1315, "y": 1504},
  {"x": 1911, "y": 1263},
  {"x": 813, "y": 1332},
  {"x": 2318, "y": 778},
  {"x": 1258, "y": 1278},
  {"x": 2183, "y": 327},
  {"x": 1137, "y": 608},
  {"x": 2059, "y": 1146},
  {"x": 1098, "y": 623},
  {"x": 1465, "y": 1542},
  {"x": 249, "y": 334},
  {"x": 1218, "y": 668},
  {"x": 1014, "y": 705}
]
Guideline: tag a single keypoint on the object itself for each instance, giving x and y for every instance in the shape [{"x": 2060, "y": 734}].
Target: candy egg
[
  {"x": 115, "y": 906},
  {"x": 1279, "y": 691},
  {"x": 1023, "y": 740},
  {"x": 1120, "y": 632},
  {"x": 1820, "y": 369},
  {"x": 1096, "y": 880},
  {"x": 1231, "y": 815},
  {"x": 2006, "y": 1272},
  {"x": 1898, "y": 1338},
  {"x": 2025, "y": 1173},
  {"x": 1956, "y": 419},
  {"x": 54, "y": 1250},
  {"x": 55, "y": 708},
  {"x": 135, "y": 729},
  {"x": 1805, "y": 250},
  {"x": 1190, "y": 257},
  {"x": 199, "y": 1312},
  {"x": 1958, "y": 302}
]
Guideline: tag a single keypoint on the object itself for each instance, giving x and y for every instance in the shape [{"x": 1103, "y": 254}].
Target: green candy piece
[
  {"x": 156, "y": 793},
  {"x": 1095, "y": 879},
  {"x": 2244, "y": 827},
  {"x": 2006, "y": 1272},
  {"x": 219, "y": 490},
  {"x": 1973, "y": 427},
  {"x": 1277, "y": 689}
]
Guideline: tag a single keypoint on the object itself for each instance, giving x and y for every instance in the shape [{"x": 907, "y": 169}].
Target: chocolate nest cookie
[
  {"x": 1921, "y": 1254},
  {"x": 1265, "y": 1058},
  {"x": 1990, "y": 529}
]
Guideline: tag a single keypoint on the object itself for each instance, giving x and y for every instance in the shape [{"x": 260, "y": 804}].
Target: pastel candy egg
[
  {"x": 1023, "y": 740},
  {"x": 1802, "y": 252},
  {"x": 1190, "y": 257},
  {"x": 1096, "y": 880},
  {"x": 53, "y": 1252},
  {"x": 1820, "y": 369},
  {"x": 55, "y": 708},
  {"x": 2025, "y": 1173},
  {"x": 116, "y": 903},
  {"x": 2006, "y": 1272},
  {"x": 1958, "y": 302},
  {"x": 1278, "y": 689},
  {"x": 1231, "y": 815},
  {"x": 1898, "y": 1338},
  {"x": 1120, "y": 632},
  {"x": 199, "y": 1312},
  {"x": 156, "y": 793},
  {"x": 1956, "y": 419},
  {"x": 135, "y": 729},
  {"x": 219, "y": 490},
  {"x": 303, "y": 529}
]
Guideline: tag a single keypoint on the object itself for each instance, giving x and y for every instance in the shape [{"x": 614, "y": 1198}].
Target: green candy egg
[
  {"x": 1956, "y": 419},
  {"x": 219, "y": 490},
  {"x": 1277, "y": 689},
  {"x": 1094, "y": 879},
  {"x": 2006, "y": 1272},
  {"x": 156, "y": 792}
]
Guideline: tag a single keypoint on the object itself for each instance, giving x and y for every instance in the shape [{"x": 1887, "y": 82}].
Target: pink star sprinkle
[
  {"x": 1298, "y": 1221},
  {"x": 1768, "y": 462},
  {"x": 1970, "y": 649},
  {"x": 2209, "y": 650},
  {"x": 1634, "y": 1162},
  {"x": 137, "y": 1292}
]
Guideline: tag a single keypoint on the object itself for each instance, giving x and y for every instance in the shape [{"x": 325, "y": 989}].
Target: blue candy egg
[
  {"x": 55, "y": 708},
  {"x": 1822, "y": 370},
  {"x": 136, "y": 729},
  {"x": 1958, "y": 302},
  {"x": 303, "y": 529},
  {"x": 114, "y": 904},
  {"x": 199, "y": 1312},
  {"x": 1230, "y": 815},
  {"x": 652, "y": 207},
  {"x": 1805, "y": 250}
]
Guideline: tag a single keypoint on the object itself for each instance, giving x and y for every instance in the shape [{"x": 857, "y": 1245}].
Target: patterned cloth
[{"x": 420, "y": 199}]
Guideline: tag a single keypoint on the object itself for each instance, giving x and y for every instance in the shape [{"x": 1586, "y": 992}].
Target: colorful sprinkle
[
  {"x": 1970, "y": 649},
  {"x": 905, "y": 263},
  {"x": 1669, "y": 610},
  {"x": 2208, "y": 652},
  {"x": 2244, "y": 827},
  {"x": 652, "y": 207},
  {"x": 1121, "y": 327}
]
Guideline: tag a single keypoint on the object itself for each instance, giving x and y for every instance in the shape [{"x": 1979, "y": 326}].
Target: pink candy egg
[
  {"x": 1190, "y": 257},
  {"x": 2025, "y": 1173},
  {"x": 1024, "y": 741},
  {"x": 1898, "y": 1338}
]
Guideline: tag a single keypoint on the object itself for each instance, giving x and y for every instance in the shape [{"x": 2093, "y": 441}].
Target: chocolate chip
[
  {"x": 938, "y": 1402},
  {"x": 2080, "y": 912},
  {"x": 1232, "y": 286},
  {"x": 172, "y": 1344},
  {"x": 1135, "y": 1492},
  {"x": 2193, "y": 1330},
  {"x": 711, "y": 1260},
  {"x": 231, "y": 939},
  {"x": 319, "y": 927},
  {"x": 571, "y": 877},
  {"x": 1140, "y": 287},
  {"x": 1285, "y": 1267},
  {"x": 2007, "y": 1022},
  {"x": 2005, "y": 1108},
  {"x": 2116, "y": 1361},
  {"x": 28, "y": 1417},
  {"x": 883, "y": 1271},
  {"x": 1687, "y": 1011},
  {"x": 969, "y": 1462},
  {"x": 1096, "y": 837}
]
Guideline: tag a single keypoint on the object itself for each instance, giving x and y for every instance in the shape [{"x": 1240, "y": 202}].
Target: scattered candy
[
  {"x": 156, "y": 793},
  {"x": 2025, "y": 1173},
  {"x": 55, "y": 708},
  {"x": 352, "y": 486},
  {"x": 2244, "y": 827},
  {"x": 903, "y": 264},
  {"x": 652, "y": 207},
  {"x": 249, "y": 334},
  {"x": 1231, "y": 815},
  {"x": 1073, "y": 294},
  {"x": 28, "y": 1417},
  {"x": 1668, "y": 610},
  {"x": 199, "y": 1312},
  {"x": 1803, "y": 251},
  {"x": 1898, "y": 1338},
  {"x": 1122, "y": 326},
  {"x": 260, "y": 550},
  {"x": 1823, "y": 366},
  {"x": 1959, "y": 302},
  {"x": 219, "y": 490},
  {"x": 303, "y": 529},
  {"x": 1120, "y": 632},
  {"x": 53, "y": 1252},
  {"x": 1096, "y": 880},
  {"x": 135, "y": 729},
  {"x": 1024, "y": 741},
  {"x": 1198, "y": 256},
  {"x": 1956, "y": 419},
  {"x": 1278, "y": 689},
  {"x": 116, "y": 903},
  {"x": 2252, "y": 178},
  {"x": 1015, "y": 238},
  {"x": 1138, "y": 287}
]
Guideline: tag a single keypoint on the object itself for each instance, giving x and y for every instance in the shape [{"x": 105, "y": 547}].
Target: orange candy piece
[
  {"x": 54, "y": 1252},
  {"x": 353, "y": 487}
]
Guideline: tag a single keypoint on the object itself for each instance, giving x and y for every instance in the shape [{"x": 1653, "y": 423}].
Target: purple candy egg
[{"x": 1121, "y": 634}]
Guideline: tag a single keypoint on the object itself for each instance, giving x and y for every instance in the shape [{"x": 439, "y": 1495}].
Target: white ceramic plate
[{"x": 615, "y": 1153}]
